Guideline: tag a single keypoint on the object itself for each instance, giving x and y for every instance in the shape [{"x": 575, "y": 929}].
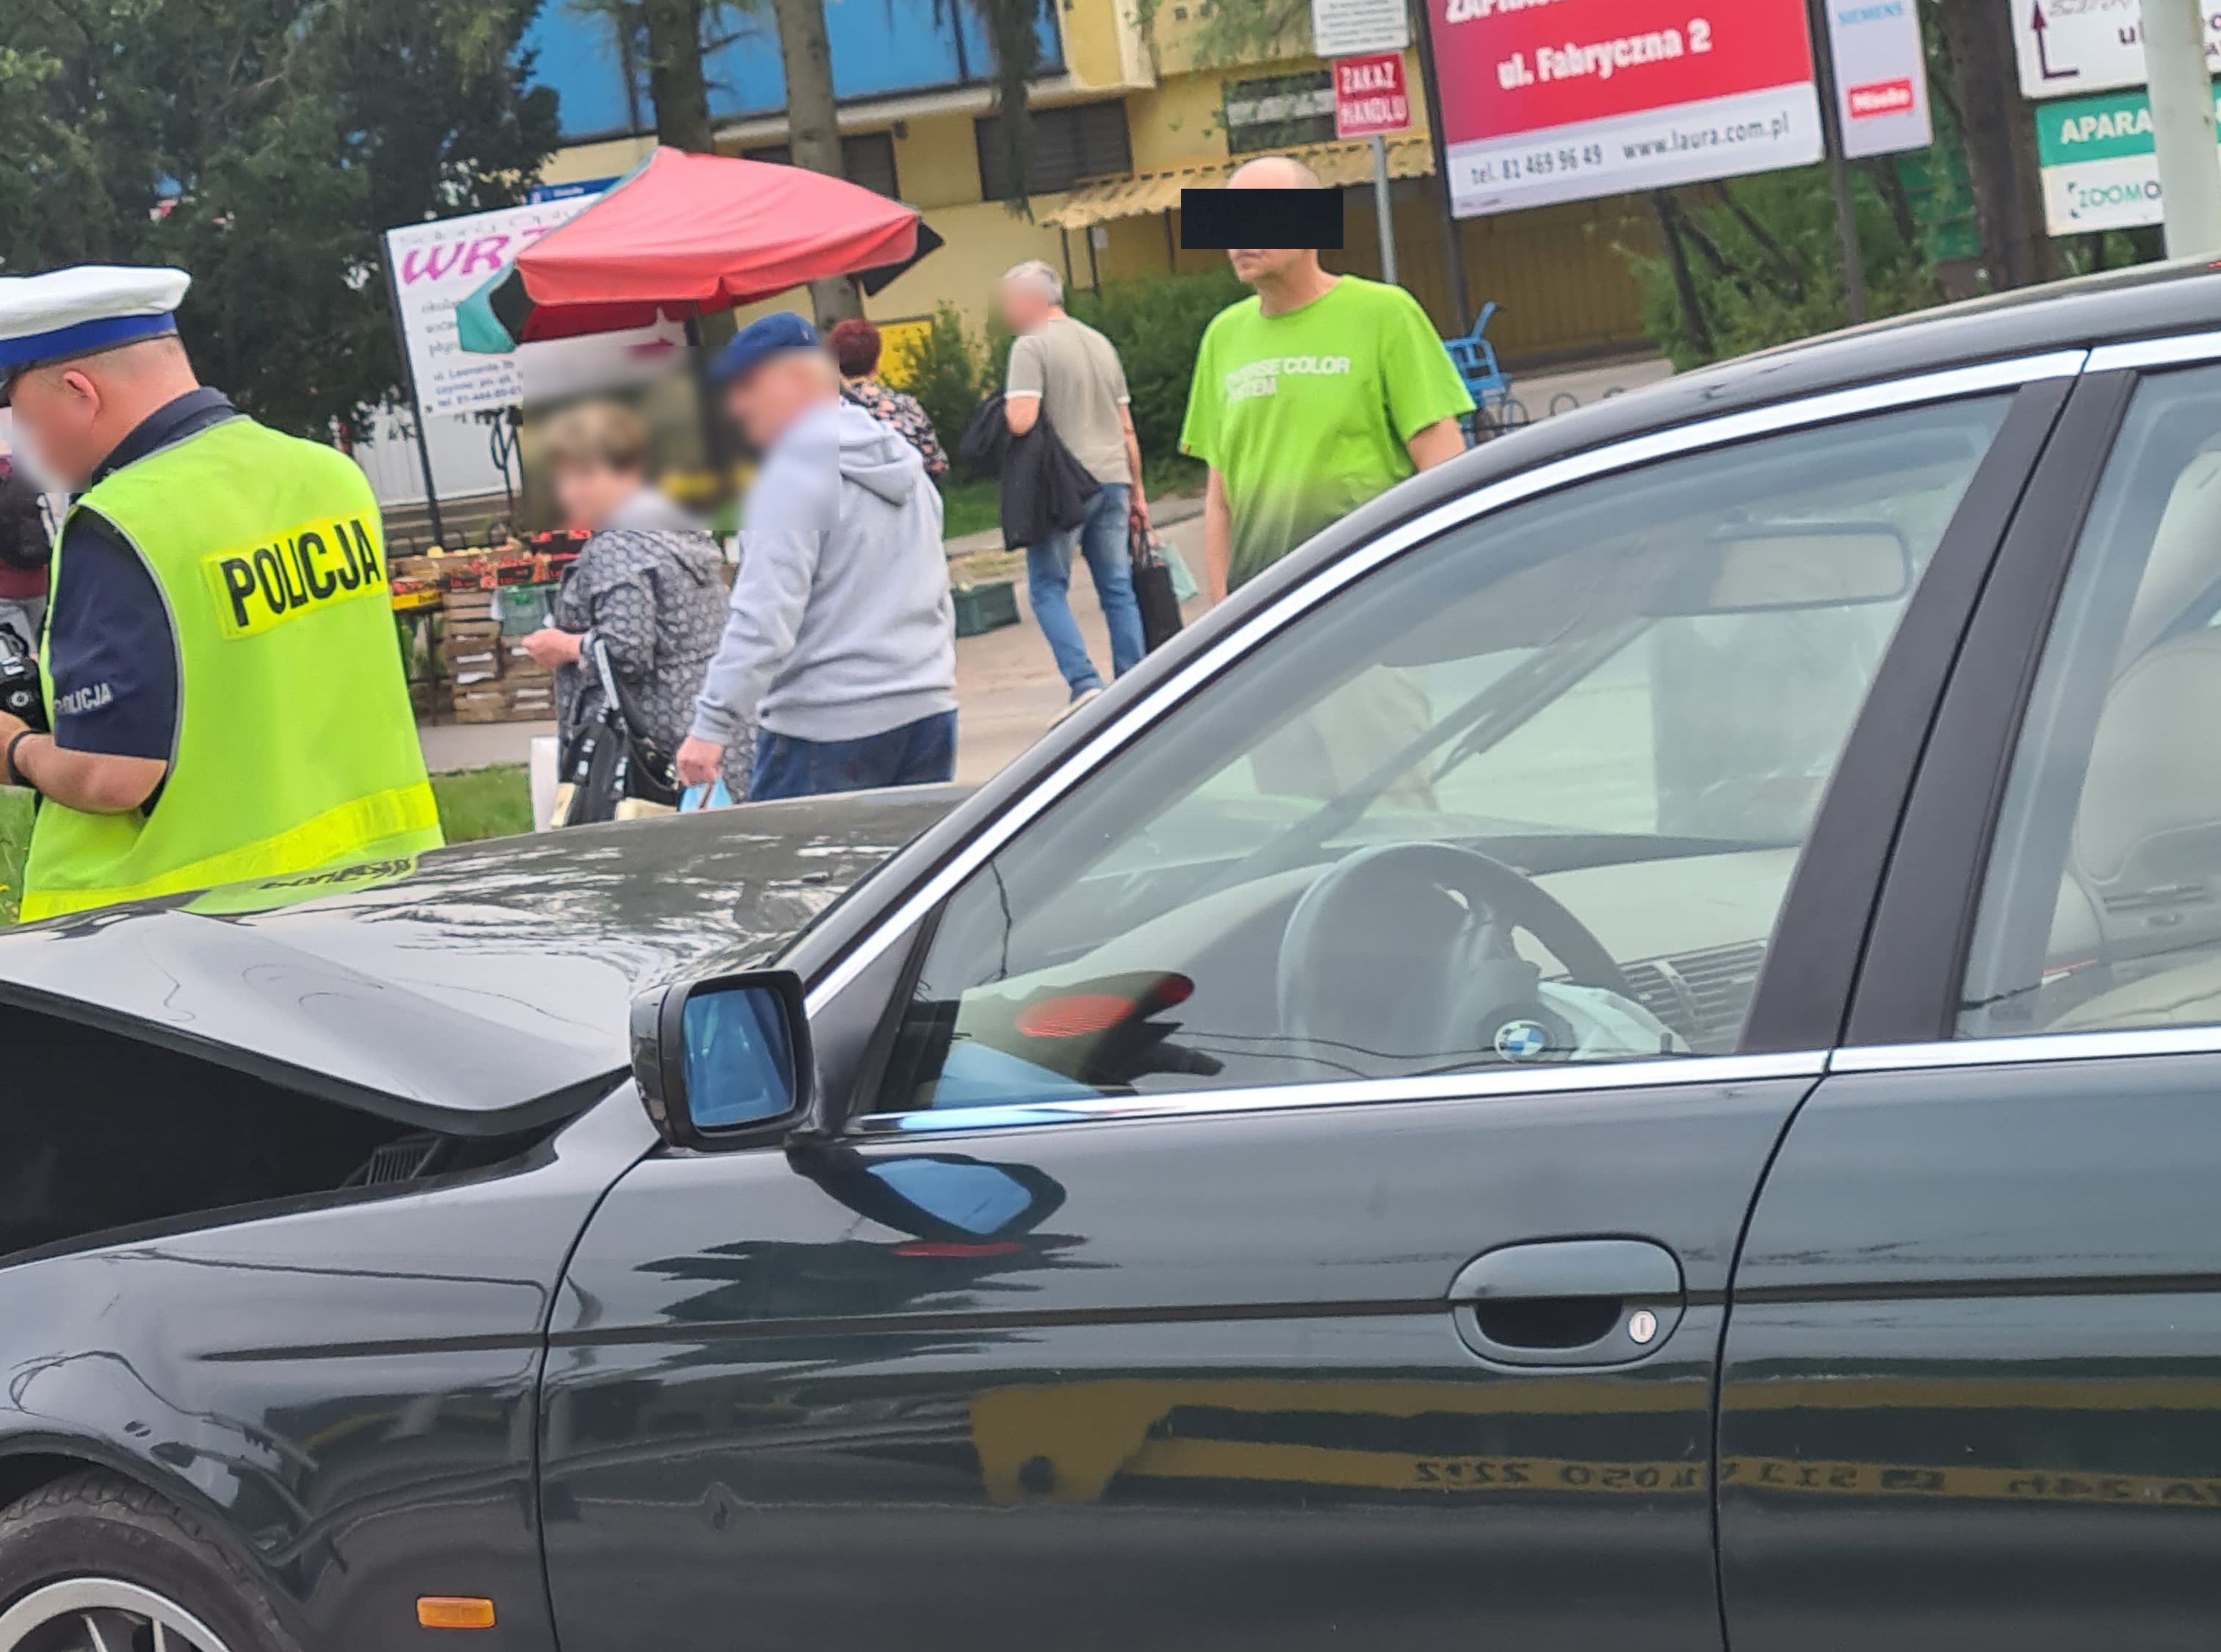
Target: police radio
[{"x": 19, "y": 692}]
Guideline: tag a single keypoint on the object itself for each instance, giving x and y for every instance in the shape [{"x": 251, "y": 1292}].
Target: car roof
[{"x": 478, "y": 990}]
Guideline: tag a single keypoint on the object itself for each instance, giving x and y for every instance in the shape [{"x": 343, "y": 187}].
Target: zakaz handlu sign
[
  {"x": 436, "y": 265},
  {"x": 1572, "y": 99},
  {"x": 1369, "y": 98},
  {"x": 2101, "y": 164}
]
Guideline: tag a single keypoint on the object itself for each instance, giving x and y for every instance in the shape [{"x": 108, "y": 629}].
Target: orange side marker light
[{"x": 454, "y": 1611}]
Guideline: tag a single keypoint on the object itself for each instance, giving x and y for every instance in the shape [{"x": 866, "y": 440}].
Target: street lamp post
[{"x": 2183, "y": 125}]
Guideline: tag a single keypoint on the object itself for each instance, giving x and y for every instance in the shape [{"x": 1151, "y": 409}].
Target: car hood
[{"x": 481, "y": 989}]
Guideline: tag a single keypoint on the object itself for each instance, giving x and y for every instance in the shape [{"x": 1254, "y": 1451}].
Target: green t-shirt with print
[{"x": 1305, "y": 415}]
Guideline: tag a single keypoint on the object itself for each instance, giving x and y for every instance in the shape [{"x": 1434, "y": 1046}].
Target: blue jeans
[
  {"x": 1102, "y": 540},
  {"x": 918, "y": 754}
]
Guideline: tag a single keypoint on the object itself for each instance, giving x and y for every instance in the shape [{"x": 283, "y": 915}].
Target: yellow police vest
[{"x": 295, "y": 746}]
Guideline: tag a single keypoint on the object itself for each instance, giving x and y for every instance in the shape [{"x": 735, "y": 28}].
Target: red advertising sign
[
  {"x": 1369, "y": 99},
  {"x": 1564, "y": 100}
]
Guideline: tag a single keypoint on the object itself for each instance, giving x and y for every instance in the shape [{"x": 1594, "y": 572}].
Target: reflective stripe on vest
[{"x": 295, "y": 747}]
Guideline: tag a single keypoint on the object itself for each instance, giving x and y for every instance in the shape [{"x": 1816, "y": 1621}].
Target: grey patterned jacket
[{"x": 650, "y": 585}]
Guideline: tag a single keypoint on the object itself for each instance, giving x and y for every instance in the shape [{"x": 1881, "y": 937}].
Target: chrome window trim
[
  {"x": 1593, "y": 1076},
  {"x": 2181, "y": 348},
  {"x": 1824, "y": 409},
  {"x": 2033, "y": 1050}
]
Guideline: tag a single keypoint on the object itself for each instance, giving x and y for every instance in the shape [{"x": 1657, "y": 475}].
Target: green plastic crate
[{"x": 985, "y": 607}]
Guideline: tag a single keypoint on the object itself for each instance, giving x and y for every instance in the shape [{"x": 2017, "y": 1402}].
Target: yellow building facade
[{"x": 1135, "y": 116}]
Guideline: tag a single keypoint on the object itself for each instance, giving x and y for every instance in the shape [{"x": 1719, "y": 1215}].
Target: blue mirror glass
[{"x": 739, "y": 1057}]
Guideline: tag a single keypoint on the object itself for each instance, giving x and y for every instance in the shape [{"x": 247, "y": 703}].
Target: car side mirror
[{"x": 721, "y": 1058}]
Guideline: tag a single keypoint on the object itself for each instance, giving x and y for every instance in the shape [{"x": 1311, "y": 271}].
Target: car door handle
[{"x": 1569, "y": 1302}]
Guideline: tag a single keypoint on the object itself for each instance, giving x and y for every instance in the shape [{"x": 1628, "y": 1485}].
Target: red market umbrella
[{"x": 686, "y": 235}]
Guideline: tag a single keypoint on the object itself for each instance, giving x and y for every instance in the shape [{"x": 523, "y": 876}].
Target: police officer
[{"x": 222, "y": 678}]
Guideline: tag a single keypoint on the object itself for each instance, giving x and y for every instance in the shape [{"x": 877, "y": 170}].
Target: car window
[
  {"x": 1533, "y": 792},
  {"x": 2101, "y": 904}
]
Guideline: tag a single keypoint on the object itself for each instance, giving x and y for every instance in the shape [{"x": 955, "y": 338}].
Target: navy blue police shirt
[{"x": 110, "y": 647}]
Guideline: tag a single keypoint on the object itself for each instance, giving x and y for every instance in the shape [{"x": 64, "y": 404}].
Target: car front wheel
[{"x": 94, "y": 1563}]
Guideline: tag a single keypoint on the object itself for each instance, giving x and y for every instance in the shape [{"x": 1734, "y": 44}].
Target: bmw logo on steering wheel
[{"x": 1522, "y": 1040}]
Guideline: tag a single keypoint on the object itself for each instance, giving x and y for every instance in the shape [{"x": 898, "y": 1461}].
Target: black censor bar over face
[{"x": 1217, "y": 220}]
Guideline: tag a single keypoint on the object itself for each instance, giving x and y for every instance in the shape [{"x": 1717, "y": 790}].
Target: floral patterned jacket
[{"x": 901, "y": 414}]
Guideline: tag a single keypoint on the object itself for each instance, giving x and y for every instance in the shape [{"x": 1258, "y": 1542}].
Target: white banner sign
[
  {"x": 1356, "y": 28},
  {"x": 1881, "y": 76},
  {"x": 436, "y": 265},
  {"x": 2070, "y": 47}
]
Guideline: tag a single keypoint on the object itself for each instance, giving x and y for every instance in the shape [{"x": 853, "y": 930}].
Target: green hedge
[{"x": 1156, "y": 324}]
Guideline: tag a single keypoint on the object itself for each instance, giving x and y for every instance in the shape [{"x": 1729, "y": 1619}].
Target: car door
[
  {"x": 1975, "y": 1356},
  {"x": 1287, "y": 1191}
]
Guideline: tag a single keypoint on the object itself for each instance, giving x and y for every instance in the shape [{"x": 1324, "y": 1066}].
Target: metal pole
[
  {"x": 416, "y": 407},
  {"x": 1381, "y": 206},
  {"x": 1422, "y": 43},
  {"x": 1839, "y": 168},
  {"x": 2183, "y": 126}
]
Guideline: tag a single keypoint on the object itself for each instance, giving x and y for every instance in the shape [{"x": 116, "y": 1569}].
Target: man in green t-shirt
[{"x": 1309, "y": 398}]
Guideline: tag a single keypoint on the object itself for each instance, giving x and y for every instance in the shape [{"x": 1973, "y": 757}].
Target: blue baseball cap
[{"x": 766, "y": 336}]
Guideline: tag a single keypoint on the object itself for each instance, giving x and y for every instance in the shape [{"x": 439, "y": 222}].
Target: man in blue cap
[
  {"x": 840, "y": 643},
  {"x": 226, "y": 699}
]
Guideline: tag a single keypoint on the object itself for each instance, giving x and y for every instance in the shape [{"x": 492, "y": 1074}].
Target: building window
[
  {"x": 866, "y": 158},
  {"x": 1070, "y": 145},
  {"x": 1279, "y": 112}
]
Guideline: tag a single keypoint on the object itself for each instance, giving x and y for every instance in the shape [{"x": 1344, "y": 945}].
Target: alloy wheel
[{"x": 102, "y": 1615}]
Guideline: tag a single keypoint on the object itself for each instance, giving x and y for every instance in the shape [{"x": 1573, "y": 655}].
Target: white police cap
[{"x": 75, "y": 312}]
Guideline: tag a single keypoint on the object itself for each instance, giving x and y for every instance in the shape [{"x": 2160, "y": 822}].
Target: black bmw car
[{"x": 1623, "y": 1052}]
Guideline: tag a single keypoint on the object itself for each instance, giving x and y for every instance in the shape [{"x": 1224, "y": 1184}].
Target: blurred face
[
  {"x": 56, "y": 431},
  {"x": 1023, "y": 307},
  {"x": 589, "y": 494},
  {"x": 779, "y": 390},
  {"x": 1265, "y": 264}
]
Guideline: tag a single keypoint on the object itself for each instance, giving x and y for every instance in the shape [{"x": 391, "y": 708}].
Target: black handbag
[
  {"x": 1153, "y": 588},
  {"x": 610, "y": 767}
]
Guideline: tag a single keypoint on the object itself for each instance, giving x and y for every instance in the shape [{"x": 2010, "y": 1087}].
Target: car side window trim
[
  {"x": 1835, "y": 406},
  {"x": 1573, "y": 1078},
  {"x": 2029, "y": 1049},
  {"x": 2180, "y": 350}
]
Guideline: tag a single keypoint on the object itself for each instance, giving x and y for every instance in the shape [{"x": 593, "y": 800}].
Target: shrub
[
  {"x": 943, "y": 370},
  {"x": 1157, "y": 323}
]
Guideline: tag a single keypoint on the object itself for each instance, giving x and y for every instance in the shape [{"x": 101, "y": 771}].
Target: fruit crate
[{"x": 981, "y": 608}]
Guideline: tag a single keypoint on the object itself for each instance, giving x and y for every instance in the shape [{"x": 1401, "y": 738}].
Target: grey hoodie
[{"x": 841, "y": 625}]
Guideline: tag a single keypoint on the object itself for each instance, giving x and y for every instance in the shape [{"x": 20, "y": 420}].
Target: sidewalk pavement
[{"x": 1007, "y": 689}]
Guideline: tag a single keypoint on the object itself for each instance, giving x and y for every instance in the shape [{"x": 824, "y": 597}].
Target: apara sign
[
  {"x": 2100, "y": 170},
  {"x": 2069, "y": 48}
]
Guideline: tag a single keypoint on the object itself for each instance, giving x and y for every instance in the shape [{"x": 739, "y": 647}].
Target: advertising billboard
[
  {"x": 1881, "y": 76},
  {"x": 435, "y": 266},
  {"x": 1566, "y": 100},
  {"x": 2100, "y": 165}
]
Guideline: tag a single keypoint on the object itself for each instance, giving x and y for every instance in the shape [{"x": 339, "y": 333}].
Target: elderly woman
[
  {"x": 648, "y": 583},
  {"x": 855, "y": 345}
]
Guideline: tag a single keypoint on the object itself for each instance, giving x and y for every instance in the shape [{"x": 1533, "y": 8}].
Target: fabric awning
[
  {"x": 1338, "y": 165},
  {"x": 686, "y": 235}
]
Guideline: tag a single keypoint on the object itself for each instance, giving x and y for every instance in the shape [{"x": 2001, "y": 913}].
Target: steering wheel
[{"x": 1403, "y": 953}]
